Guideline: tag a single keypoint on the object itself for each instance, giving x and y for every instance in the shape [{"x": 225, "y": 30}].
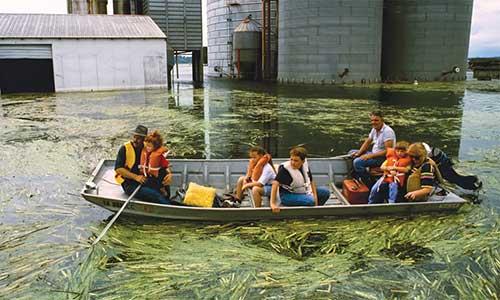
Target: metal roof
[
  {"x": 46, "y": 26},
  {"x": 248, "y": 24}
]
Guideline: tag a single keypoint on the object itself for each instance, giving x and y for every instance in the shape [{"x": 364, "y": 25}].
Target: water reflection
[{"x": 328, "y": 120}]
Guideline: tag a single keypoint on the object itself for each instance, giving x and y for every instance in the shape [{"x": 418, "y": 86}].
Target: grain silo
[
  {"x": 121, "y": 7},
  {"x": 426, "y": 40},
  {"x": 84, "y": 7},
  {"x": 223, "y": 16},
  {"x": 247, "y": 49},
  {"x": 330, "y": 41}
]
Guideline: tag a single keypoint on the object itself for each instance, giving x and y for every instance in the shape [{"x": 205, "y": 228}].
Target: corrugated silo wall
[
  {"x": 180, "y": 20},
  {"x": 424, "y": 39},
  {"x": 223, "y": 16},
  {"x": 319, "y": 39}
]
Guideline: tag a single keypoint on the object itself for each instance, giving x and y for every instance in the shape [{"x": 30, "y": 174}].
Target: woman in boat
[
  {"x": 424, "y": 175},
  {"x": 259, "y": 177},
  {"x": 295, "y": 184}
]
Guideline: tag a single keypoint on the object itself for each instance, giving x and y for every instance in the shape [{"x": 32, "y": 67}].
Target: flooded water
[{"x": 51, "y": 143}]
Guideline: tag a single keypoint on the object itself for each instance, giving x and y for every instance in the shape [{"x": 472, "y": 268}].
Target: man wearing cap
[{"x": 127, "y": 168}]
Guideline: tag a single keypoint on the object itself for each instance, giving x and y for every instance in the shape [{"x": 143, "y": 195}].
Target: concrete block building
[{"x": 47, "y": 53}]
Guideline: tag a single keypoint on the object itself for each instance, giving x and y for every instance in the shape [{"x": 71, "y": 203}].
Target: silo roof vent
[{"x": 248, "y": 24}]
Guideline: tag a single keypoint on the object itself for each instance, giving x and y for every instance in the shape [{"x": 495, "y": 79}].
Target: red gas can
[{"x": 355, "y": 192}]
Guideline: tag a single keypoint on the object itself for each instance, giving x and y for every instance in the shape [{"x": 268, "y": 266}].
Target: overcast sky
[{"x": 485, "y": 33}]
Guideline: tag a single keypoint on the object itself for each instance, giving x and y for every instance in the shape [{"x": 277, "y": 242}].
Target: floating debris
[{"x": 45, "y": 231}]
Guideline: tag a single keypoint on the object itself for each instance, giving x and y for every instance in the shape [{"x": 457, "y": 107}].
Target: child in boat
[
  {"x": 154, "y": 164},
  {"x": 259, "y": 177},
  {"x": 395, "y": 167}
]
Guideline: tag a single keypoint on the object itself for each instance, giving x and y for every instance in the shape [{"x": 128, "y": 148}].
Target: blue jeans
[
  {"x": 145, "y": 193},
  {"x": 379, "y": 191},
  {"x": 293, "y": 199},
  {"x": 360, "y": 165}
]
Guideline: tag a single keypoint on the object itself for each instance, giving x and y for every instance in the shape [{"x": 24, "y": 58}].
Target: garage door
[
  {"x": 26, "y": 68},
  {"x": 25, "y": 51}
]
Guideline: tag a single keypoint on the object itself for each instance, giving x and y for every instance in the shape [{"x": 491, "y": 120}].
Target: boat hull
[
  {"x": 223, "y": 175},
  {"x": 145, "y": 209}
]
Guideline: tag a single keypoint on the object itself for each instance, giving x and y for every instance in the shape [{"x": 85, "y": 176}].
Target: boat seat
[{"x": 247, "y": 202}]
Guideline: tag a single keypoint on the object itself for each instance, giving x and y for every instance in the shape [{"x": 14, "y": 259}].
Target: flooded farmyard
[{"x": 51, "y": 143}]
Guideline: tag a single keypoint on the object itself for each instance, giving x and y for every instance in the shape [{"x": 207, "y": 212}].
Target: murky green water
[{"x": 49, "y": 144}]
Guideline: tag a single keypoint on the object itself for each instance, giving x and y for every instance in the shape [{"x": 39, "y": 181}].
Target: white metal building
[{"x": 45, "y": 53}]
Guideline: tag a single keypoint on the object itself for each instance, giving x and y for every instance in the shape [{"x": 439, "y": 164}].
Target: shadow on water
[{"x": 51, "y": 143}]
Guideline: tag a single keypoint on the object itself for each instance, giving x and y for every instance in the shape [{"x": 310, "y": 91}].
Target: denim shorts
[{"x": 267, "y": 190}]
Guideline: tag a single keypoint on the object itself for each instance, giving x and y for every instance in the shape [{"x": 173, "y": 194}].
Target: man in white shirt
[{"x": 382, "y": 137}]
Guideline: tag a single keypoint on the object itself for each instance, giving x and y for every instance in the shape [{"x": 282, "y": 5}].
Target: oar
[
  {"x": 342, "y": 156},
  {"x": 116, "y": 216}
]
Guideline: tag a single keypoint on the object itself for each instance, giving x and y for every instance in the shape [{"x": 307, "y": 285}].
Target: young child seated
[
  {"x": 259, "y": 177},
  {"x": 395, "y": 167},
  {"x": 154, "y": 165}
]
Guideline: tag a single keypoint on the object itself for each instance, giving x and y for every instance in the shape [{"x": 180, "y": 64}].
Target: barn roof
[{"x": 49, "y": 26}]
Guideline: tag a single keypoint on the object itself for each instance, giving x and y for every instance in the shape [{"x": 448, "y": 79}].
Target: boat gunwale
[{"x": 336, "y": 206}]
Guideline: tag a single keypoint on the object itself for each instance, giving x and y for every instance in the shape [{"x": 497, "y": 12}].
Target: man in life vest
[
  {"x": 127, "y": 172},
  {"x": 382, "y": 137},
  {"x": 395, "y": 167},
  {"x": 295, "y": 184}
]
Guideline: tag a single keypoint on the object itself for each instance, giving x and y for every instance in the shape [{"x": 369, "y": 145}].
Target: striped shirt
[{"x": 427, "y": 177}]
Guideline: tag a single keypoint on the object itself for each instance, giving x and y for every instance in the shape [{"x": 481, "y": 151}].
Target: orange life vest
[
  {"x": 151, "y": 162},
  {"x": 255, "y": 167},
  {"x": 393, "y": 160}
]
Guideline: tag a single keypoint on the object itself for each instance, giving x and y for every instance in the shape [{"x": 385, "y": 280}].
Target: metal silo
[
  {"x": 330, "y": 41},
  {"x": 121, "y": 7},
  {"x": 247, "y": 49},
  {"x": 426, "y": 40},
  {"x": 84, "y": 7},
  {"x": 223, "y": 16}
]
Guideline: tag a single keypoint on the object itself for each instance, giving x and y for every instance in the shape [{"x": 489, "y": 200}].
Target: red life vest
[
  {"x": 393, "y": 160},
  {"x": 255, "y": 167},
  {"x": 151, "y": 162}
]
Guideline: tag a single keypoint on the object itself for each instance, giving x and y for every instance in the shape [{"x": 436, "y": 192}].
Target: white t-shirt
[
  {"x": 267, "y": 176},
  {"x": 379, "y": 138}
]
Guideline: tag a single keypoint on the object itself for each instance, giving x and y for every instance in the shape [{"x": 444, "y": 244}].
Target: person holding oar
[
  {"x": 127, "y": 172},
  {"x": 129, "y": 176}
]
